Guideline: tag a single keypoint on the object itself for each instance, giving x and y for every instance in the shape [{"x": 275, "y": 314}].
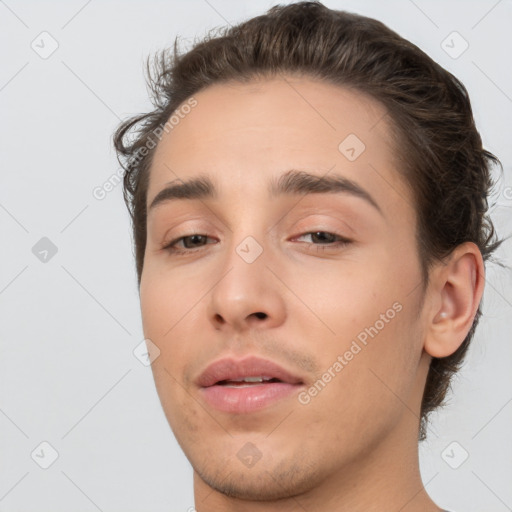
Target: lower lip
[{"x": 247, "y": 399}]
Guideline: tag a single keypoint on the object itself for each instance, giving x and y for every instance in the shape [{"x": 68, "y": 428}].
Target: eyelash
[{"x": 342, "y": 242}]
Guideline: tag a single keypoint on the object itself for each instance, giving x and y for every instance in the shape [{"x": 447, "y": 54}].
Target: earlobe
[{"x": 459, "y": 285}]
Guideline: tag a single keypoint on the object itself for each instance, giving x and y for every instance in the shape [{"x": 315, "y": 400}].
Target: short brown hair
[{"x": 444, "y": 162}]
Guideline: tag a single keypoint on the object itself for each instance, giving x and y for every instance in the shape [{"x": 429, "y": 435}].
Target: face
[{"x": 323, "y": 282}]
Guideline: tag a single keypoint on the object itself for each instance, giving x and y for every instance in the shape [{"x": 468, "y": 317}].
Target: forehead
[{"x": 244, "y": 134}]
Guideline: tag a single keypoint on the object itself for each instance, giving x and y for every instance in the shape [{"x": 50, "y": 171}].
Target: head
[{"x": 332, "y": 94}]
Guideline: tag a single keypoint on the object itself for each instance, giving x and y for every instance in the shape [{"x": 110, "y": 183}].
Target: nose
[{"x": 248, "y": 295}]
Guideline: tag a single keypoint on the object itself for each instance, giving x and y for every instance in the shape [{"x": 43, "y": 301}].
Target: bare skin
[{"x": 354, "y": 445}]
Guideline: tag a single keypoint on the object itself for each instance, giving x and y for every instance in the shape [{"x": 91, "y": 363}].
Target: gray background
[{"x": 69, "y": 324}]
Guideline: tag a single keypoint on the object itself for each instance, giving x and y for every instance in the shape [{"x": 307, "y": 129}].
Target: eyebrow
[{"x": 292, "y": 182}]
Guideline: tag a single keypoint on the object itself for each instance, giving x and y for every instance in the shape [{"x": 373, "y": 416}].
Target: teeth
[{"x": 251, "y": 379}]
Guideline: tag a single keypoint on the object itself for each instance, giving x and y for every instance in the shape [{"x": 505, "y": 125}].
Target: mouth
[
  {"x": 246, "y": 385},
  {"x": 247, "y": 382}
]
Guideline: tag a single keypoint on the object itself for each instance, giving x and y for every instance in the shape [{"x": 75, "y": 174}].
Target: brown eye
[
  {"x": 190, "y": 243},
  {"x": 325, "y": 240},
  {"x": 194, "y": 240},
  {"x": 323, "y": 236}
]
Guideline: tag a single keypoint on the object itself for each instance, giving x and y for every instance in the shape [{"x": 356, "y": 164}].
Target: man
[{"x": 309, "y": 211}]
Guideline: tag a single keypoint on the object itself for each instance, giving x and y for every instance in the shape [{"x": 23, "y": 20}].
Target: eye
[
  {"x": 194, "y": 242},
  {"x": 326, "y": 240},
  {"x": 191, "y": 243}
]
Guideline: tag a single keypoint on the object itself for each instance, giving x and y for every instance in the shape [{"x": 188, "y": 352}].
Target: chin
[{"x": 262, "y": 484}]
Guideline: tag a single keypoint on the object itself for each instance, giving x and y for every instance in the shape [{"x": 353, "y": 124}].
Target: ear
[{"x": 456, "y": 291}]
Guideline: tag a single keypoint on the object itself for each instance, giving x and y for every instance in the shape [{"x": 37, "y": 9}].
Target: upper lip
[{"x": 251, "y": 366}]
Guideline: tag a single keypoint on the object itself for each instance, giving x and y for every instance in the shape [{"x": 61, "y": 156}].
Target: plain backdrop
[{"x": 69, "y": 311}]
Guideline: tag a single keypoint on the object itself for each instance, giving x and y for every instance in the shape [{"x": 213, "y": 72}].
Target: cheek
[
  {"x": 371, "y": 316},
  {"x": 350, "y": 296},
  {"x": 168, "y": 299},
  {"x": 363, "y": 385},
  {"x": 166, "y": 313},
  {"x": 168, "y": 308}
]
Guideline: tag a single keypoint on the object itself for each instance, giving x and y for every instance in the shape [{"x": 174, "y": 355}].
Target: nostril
[
  {"x": 219, "y": 318},
  {"x": 261, "y": 315}
]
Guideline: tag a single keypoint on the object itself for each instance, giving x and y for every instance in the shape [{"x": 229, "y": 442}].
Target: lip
[
  {"x": 246, "y": 398},
  {"x": 230, "y": 369}
]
